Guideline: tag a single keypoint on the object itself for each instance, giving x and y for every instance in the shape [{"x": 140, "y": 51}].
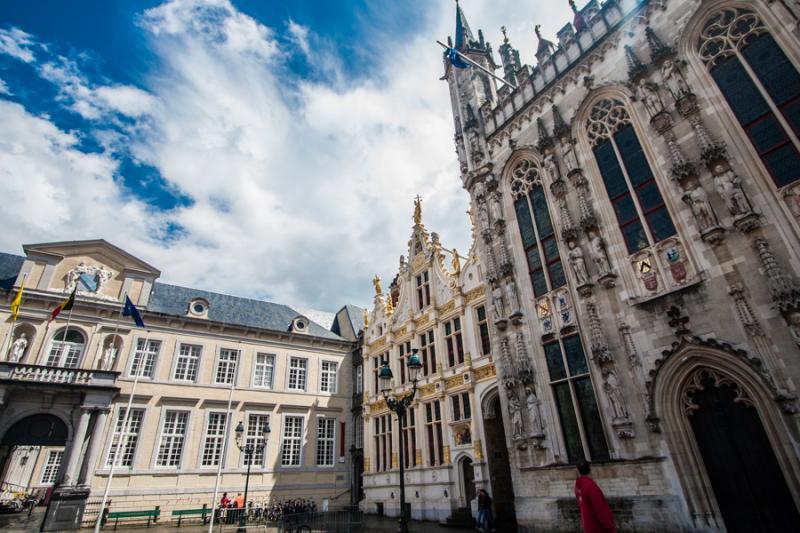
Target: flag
[
  {"x": 131, "y": 311},
  {"x": 456, "y": 59},
  {"x": 66, "y": 305},
  {"x": 15, "y": 305}
]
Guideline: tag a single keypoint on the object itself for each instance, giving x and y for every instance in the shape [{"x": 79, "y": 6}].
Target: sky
[{"x": 261, "y": 148}]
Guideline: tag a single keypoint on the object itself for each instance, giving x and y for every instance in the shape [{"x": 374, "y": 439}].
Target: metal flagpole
[
  {"x": 116, "y": 328},
  {"x": 66, "y": 330},
  {"x": 10, "y": 337},
  {"x": 476, "y": 65},
  {"x": 225, "y": 442},
  {"x": 44, "y": 341},
  {"x": 124, "y": 431}
]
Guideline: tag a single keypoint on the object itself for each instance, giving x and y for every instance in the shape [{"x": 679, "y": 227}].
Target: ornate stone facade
[{"x": 650, "y": 238}]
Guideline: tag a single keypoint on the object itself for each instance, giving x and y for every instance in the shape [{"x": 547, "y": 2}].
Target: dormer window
[
  {"x": 423, "y": 290},
  {"x": 299, "y": 324},
  {"x": 198, "y": 308}
]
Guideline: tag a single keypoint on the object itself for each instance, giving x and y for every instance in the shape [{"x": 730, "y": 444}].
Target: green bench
[
  {"x": 202, "y": 513},
  {"x": 151, "y": 515}
]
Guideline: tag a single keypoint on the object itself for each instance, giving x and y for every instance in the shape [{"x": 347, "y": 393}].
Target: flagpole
[
  {"x": 124, "y": 431},
  {"x": 44, "y": 341},
  {"x": 64, "y": 336},
  {"x": 116, "y": 329},
  {"x": 10, "y": 338},
  {"x": 476, "y": 65},
  {"x": 225, "y": 441}
]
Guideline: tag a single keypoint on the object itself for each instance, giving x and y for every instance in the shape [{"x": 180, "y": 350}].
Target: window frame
[
  {"x": 160, "y": 436},
  {"x": 480, "y": 326},
  {"x": 225, "y": 434},
  {"x": 300, "y": 451},
  {"x": 331, "y": 440},
  {"x": 464, "y": 404},
  {"x": 434, "y": 433},
  {"x": 454, "y": 341},
  {"x": 408, "y": 427},
  {"x": 427, "y": 351},
  {"x": 248, "y": 437},
  {"x": 198, "y": 358},
  {"x": 47, "y": 464},
  {"x": 136, "y": 447},
  {"x": 268, "y": 356},
  {"x": 331, "y": 379},
  {"x": 304, "y": 369},
  {"x": 422, "y": 286},
  {"x": 219, "y": 361},
  {"x": 383, "y": 445},
  {"x": 69, "y": 346}
]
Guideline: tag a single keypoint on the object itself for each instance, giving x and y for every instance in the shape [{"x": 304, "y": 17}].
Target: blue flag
[
  {"x": 131, "y": 311},
  {"x": 456, "y": 59}
]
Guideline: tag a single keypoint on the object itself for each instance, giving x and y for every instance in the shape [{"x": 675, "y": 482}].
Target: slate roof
[
  {"x": 9, "y": 269},
  {"x": 355, "y": 315}
]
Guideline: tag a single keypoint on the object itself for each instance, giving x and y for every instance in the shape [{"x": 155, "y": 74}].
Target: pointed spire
[
  {"x": 545, "y": 141},
  {"x": 545, "y": 48},
  {"x": 463, "y": 33},
  {"x": 636, "y": 69},
  {"x": 782, "y": 287},
  {"x": 578, "y": 21},
  {"x": 658, "y": 50},
  {"x": 510, "y": 57},
  {"x": 560, "y": 128}
]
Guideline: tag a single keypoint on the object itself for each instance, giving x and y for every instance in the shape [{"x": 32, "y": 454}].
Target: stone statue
[
  {"x": 648, "y": 94},
  {"x": 403, "y": 264},
  {"x": 479, "y": 191},
  {"x": 495, "y": 207},
  {"x": 514, "y": 410},
  {"x": 794, "y": 327},
  {"x": 611, "y": 388},
  {"x": 533, "y": 411},
  {"x": 729, "y": 187},
  {"x": 109, "y": 355},
  {"x": 568, "y": 155},
  {"x": 551, "y": 167},
  {"x": 462, "y": 153},
  {"x": 672, "y": 78},
  {"x": 456, "y": 263},
  {"x": 701, "y": 209},
  {"x": 598, "y": 252},
  {"x": 578, "y": 264},
  {"x": 376, "y": 281},
  {"x": 18, "y": 348},
  {"x": 512, "y": 298},
  {"x": 417, "y": 210},
  {"x": 497, "y": 303},
  {"x": 102, "y": 276},
  {"x": 483, "y": 216},
  {"x": 793, "y": 198},
  {"x": 475, "y": 147}
]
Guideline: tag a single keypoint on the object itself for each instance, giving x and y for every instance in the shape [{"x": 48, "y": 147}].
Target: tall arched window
[
  {"x": 641, "y": 213},
  {"x": 66, "y": 348},
  {"x": 760, "y": 84},
  {"x": 539, "y": 238}
]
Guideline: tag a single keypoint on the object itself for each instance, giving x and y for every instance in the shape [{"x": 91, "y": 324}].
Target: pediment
[{"x": 99, "y": 251}]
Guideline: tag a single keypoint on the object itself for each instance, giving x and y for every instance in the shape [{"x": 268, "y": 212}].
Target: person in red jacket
[{"x": 596, "y": 515}]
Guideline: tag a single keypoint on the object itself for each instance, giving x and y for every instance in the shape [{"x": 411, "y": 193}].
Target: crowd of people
[{"x": 230, "y": 510}]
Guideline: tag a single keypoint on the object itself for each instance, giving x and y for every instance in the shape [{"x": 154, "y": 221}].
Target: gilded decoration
[
  {"x": 485, "y": 372},
  {"x": 418, "y": 456},
  {"x": 419, "y": 262},
  {"x": 422, "y": 320},
  {"x": 366, "y": 464},
  {"x": 448, "y": 307},
  {"x": 400, "y": 332},
  {"x": 477, "y": 450},
  {"x": 378, "y": 406},
  {"x": 427, "y": 390},
  {"x": 454, "y": 381},
  {"x": 395, "y": 461},
  {"x": 446, "y": 455},
  {"x": 474, "y": 294},
  {"x": 380, "y": 343}
]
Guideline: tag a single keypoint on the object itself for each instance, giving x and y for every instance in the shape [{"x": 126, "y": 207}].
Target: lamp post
[
  {"x": 249, "y": 448},
  {"x": 399, "y": 405}
]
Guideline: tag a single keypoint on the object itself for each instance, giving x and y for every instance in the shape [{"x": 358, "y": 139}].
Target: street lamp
[
  {"x": 249, "y": 448},
  {"x": 399, "y": 406}
]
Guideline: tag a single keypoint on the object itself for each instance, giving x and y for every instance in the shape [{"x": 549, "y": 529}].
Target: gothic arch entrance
[
  {"x": 499, "y": 465},
  {"x": 750, "y": 488},
  {"x": 467, "y": 475}
]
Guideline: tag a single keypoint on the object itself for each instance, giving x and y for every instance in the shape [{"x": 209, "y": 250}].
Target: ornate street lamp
[
  {"x": 399, "y": 405},
  {"x": 249, "y": 448}
]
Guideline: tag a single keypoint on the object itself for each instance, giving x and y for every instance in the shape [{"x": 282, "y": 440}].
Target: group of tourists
[{"x": 230, "y": 510}]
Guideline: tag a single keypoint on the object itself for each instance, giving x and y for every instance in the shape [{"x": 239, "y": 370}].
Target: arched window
[
  {"x": 539, "y": 238},
  {"x": 630, "y": 183},
  {"x": 66, "y": 348},
  {"x": 760, "y": 84}
]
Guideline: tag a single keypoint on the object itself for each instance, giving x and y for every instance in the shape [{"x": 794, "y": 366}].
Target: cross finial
[
  {"x": 573, "y": 6},
  {"x": 538, "y": 30},
  {"x": 505, "y": 37}
]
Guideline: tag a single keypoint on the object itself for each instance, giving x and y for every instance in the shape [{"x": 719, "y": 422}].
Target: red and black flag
[{"x": 66, "y": 305}]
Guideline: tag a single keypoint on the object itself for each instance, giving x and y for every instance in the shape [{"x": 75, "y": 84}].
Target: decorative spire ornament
[
  {"x": 545, "y": 141},
  {"x": 636, "y": 69},
  {"x": 510, "y": 58},
  {"x": 658, "y": 50}
]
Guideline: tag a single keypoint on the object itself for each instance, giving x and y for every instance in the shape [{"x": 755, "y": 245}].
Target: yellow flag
[{"x": 15, "y": 305}]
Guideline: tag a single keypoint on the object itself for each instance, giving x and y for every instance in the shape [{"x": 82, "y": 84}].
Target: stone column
[
  {"x": 71, "y": 473},
  {"x": 95, "y": 445}
]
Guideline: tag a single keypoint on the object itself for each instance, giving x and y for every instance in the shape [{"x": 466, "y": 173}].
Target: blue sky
[{"x": 263, "y": 148}]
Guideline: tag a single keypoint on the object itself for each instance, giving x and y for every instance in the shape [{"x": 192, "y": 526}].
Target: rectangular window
[
  {"x": 483, "y": 330},
  {"x": 144, "y": 359},
  {"x": 454, "y": 342},
  {"x": 292, "y": 444},
  {"x": 226, "y": 366},
  {"x": 187, "y": 362},
  {"x": 433, "y": 429},
  {"x": 298, "y": 367},
  {"x": 51, "y": 466},
  {"x": 173, "y": 433},
  {"x": 256, "y": 424},
  {"x": 215, "y": 436},
  {"x": 264, "y": 371},
  {"x": 326, "y": 439},
  {"x": 427, "y": 350},
  {"x": 409, "y": 438},
  {"x": 327, "y": 377},
  {"x": 405, "y": 352},
  {"x": 383, "y": 443},
  {"x": 423, "y": 290},
  {"x": 377, "y": 363},
  {"x": 360, "y": 379},
  {"x": 462, "y": 410},
  {"x": 125, "y": 438}
]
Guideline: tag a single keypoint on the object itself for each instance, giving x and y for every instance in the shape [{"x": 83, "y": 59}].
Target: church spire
[{"x": 463, "y": 33}]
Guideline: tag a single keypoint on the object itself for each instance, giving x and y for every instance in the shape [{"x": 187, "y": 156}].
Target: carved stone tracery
[
  {"x": 606, "y": 118},
  {"x": 727, "y": 32}
]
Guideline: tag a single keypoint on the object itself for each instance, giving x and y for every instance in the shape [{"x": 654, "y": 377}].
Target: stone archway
[
  {"x": 466, "y": 474},
  {"x": 499, "y": 465}
]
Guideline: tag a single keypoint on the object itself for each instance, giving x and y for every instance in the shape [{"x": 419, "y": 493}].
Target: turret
[{"x": 510, "y": 58}]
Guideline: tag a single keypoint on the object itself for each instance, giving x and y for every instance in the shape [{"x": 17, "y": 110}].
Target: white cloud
[
  {"x": 302, "y": 190},
  {"x": 4, "y": 88},
  {"x": 17, "y": 44}
]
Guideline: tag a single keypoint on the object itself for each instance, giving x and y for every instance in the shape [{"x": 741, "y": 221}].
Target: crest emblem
[
  {"x": 672, "y": 254},
  {"x": 87, "y": 282}
]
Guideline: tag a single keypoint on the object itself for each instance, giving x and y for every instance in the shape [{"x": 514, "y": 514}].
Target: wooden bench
[
  {"x": 151, "y": 515},
  {"x": 202, "y": 513}
]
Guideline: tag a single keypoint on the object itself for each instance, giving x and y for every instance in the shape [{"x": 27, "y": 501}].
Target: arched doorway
[
  {"x": 37, "y": 430},
  {"x": 499, "y": 465},
  {"x": 467, "y": 474},
  {"x": 750, "y": 488}
]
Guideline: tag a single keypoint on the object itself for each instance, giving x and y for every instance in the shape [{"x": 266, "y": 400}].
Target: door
[
  {"x": 468, "y": 477},
  {"x": 499, "y": 470},
  {"x": 749, "y": 486}
]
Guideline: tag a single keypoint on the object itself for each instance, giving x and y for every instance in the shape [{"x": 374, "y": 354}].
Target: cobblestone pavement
[{"x": 21, "y": 523}]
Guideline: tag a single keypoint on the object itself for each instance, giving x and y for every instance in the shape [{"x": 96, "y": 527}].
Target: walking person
[
  {"x": 596, "y": 515},
  {"x": 484, "y": 511},
  {"x": 224, "y": 502}
]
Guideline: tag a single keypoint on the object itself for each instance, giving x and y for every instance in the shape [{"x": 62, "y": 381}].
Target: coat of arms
[{"x": 87, "y": 279}]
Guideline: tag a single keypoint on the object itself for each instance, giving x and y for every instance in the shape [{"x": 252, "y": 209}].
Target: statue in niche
[
  {"x": 483, "y": 216},
  {"x": 673, "y": 80},
  {"x": 568, "y": 155},
  {"x": 551, "y": 167},
  {"x": 701, "y": 208},
  {"x": 475, "y": 147},
  {"x": 533, "y": 411},
  {"x": 511, "y": 297},
  {"x": 18, "y": 348},
  {"x": 729, "y": 187},
  {"x": 109, "y": 356},
  {"x": 479, "y": 190},
  {"x": 495, "y": 207},
  {"x": 794, "y": 326},
  {"x": 514, "y": 410},
  {"x": 456, "y": 263},
  {"x": 793, "y": 199},
  {"x": 578, "y": 264},
  {"x": 611, "y": 388},
  {"x": 497, "y": 303},
  {"x": 648, "y": 94},
  {"x": 597, "y": 250}
]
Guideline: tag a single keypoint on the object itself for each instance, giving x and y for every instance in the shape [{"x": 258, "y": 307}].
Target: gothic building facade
[
  {"x": 637, "y": 198},
  {"x": 438, "y": 305}
]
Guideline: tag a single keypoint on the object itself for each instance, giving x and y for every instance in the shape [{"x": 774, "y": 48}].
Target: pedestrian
[
  {"x": 224, "y": 502},
  {"x": 484, "y": 511},
  {"x": 596, "y": 515},
  {"x": 238, "y": 503}
]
